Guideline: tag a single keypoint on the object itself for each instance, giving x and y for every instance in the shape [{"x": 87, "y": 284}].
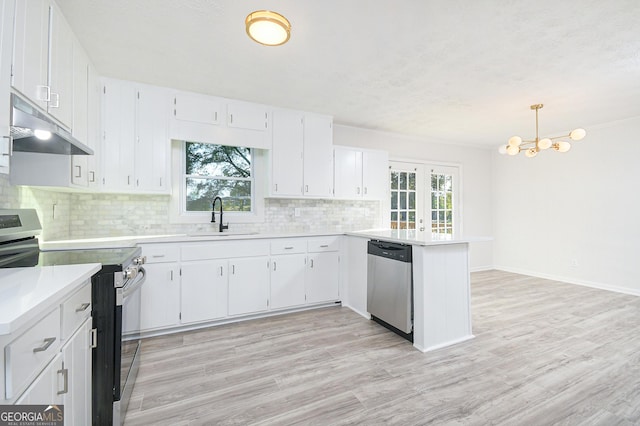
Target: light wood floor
[{"x": 544, "y": 353}]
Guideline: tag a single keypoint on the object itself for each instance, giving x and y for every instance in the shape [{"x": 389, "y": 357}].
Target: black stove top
[{"x": 114, "y": 258}]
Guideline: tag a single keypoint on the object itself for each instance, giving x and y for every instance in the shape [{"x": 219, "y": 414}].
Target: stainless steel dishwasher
[{"x": 390, "y": 286}]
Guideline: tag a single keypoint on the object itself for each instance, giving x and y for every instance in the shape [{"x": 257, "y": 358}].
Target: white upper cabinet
[
  {"x": 31, "y": 51},
  {"x": 118, "y": 136},
  {"x": 60, "y": 68},
  {"x": 152, "y": 141},
  {"x": 7, "y": 13},
  {"x": 360, "y": 174},
  {"x": 80, "y": 125},
  {"x": 318, "y": 155},
  {"x": 286, "y": 153},
  {"x": 244, "y": 115},
  {"x": 135, "y": 149},
  {"x": 197, "y": 108},
  {"x": 302, "y": 155},
  {"x": 202, "y": 118}
]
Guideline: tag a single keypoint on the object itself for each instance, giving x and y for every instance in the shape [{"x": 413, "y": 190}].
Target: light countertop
[
  {"x": 25, "y": 293},
  {"x": 416, "y": 238},
  {"x": 133, "y": 240}
]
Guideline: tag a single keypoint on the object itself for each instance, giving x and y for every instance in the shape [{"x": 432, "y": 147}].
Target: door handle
[
  {"x": 48, "y": 341},
  {"x": 65, "y": 386},
  {"x": 83, "y": 307}
]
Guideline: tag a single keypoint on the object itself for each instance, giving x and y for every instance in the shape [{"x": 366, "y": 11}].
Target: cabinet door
[
  {"x": 160, "y": 304},
  {"x": 197, "y": 108},
  {"x": 347, "y": 165},
  {"x": 31, "y": 50},
  {"x": 248, "y": 285},
  {"x": 118, "y": 104},
  {"x": 152, "y": 139},
  {"x": 61, "y": 68},
  {"x": 286, "y": 153},
  {"x": 44, "y": 389},
  {"x": 375, "y": 175},
  {"x": 80, "y": 125},
  {"x": 93, "y": 136},
  {"x": 287, "y": 281},
  {"x": 318, "y": 155},
  {"x": 322, "y": 277},
  {"x": 76, "y": 357},
  {"x": 7, "y": 16},
  {"x": 244, "y": 115},
  {"x": 204, "y": 290}
]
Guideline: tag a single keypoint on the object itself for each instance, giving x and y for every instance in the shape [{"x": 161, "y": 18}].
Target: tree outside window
[{"x": 218, "y": 171}]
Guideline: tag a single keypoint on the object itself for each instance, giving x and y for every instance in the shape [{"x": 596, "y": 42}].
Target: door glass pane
[
  {"x": 403, "y": 180},
  {"x": 412, "y": 200},
  {"x": 394, "y": 180},
  {"x": 403, "y": 200},
  {"x": 412, "y": 181},
  {"x": 394, "y": 200}
]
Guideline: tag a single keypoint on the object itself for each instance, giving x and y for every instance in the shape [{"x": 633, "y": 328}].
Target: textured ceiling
[{"x": 454, "y": 70}]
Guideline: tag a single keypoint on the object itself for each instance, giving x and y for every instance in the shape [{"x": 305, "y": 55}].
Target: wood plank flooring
[{"x": 545, "y": 353}]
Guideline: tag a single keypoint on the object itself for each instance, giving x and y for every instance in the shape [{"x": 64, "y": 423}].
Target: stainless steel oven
[
  {"x": 115, "y": 296},
  {"x": 128, "y": 286}
]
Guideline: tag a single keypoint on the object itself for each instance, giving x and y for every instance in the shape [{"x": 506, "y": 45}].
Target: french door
[{"x": 424, "y": 197}]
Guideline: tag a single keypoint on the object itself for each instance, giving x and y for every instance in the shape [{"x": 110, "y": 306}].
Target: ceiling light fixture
[
  {"x": 517, "y": 145},
  {"x": 268, "y": 28}
]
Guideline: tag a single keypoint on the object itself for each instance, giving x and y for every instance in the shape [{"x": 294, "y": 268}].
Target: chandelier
[{"x": 532, "y": 147}]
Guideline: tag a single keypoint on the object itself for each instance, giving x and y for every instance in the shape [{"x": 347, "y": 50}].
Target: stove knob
[
  {"x": 130, "y": 273},
  {"x": 140, "y": 260}
]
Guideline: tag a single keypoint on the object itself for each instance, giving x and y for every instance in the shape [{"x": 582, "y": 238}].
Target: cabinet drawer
[
  {"x": 159, "y": 253},
  {"x": 26, "y": 356},
  {"x": 225, "y": 250},
  {"x": 288, "y": 246},
  {"x": 315, "y": 245},
  {"x": 75, "y": 310}
]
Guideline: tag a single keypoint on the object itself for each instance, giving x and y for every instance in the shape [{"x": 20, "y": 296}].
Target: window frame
[{"x": 178, "y": 210}]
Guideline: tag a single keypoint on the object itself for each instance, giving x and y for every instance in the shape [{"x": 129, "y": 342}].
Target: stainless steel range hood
[{"x": 27, "y": 121}]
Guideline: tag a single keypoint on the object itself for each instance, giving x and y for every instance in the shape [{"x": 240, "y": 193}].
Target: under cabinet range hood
[{"x": 34, "y": 131}]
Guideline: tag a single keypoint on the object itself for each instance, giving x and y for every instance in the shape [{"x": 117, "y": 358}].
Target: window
[
  {"x": 441, "y": 203},
  {"x": 217, "y": 171},
  {"x": 403, "y": 199}
]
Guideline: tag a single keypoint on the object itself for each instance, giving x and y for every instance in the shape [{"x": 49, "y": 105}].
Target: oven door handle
[{"x": 135, "y": 285}]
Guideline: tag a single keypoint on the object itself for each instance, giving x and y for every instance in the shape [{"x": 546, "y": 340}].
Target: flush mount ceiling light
[
  {"x": 268, "y": 28},
  {"x": 532, "y": 147}
]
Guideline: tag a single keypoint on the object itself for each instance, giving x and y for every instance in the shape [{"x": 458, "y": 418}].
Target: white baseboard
[
  {"x": 568, "y": 280},
  {"x": 364, "y": 314},
  {"x": 444, "y": 344},
  {"x": 481, "y": 268}
]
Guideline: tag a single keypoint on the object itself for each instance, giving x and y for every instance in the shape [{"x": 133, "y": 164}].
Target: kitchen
[{"x": 546, "y": 231}]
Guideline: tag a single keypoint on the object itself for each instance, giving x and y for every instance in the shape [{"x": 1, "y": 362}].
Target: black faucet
[{"x": 213, "y": 214}]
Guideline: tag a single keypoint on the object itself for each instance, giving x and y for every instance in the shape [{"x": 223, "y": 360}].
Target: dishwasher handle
[{"x": 389, "y": 250}]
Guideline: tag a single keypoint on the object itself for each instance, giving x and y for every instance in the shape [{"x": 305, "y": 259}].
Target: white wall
[
  {"x": 476, "y": 179},
  {"x": 573, "y": 217}
]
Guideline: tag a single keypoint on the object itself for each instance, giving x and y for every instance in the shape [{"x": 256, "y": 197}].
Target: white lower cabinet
[
  {"x": 66, "y": 378},
  {"x": 322, "y": 277},
  {"x": 248, "y": 285},
  {"x": 203, "y": 290},
  {"x": 160, "y": 297},
  {"x": 287, "y": 281}
]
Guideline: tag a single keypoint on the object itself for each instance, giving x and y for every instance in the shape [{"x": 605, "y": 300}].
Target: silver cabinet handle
[
  {"x": 83, "y": 307},
  {"x": 48, "y": 341},
  {"x": 93, "y": 176},
  {"x": 215, "y": 116},
  {"x": 311, "y": 263},
  {"x": 94, "y": 338},
  {"x": 358, "y": 190},
  {"x": 157, "y": 256},
  {"x": 47, "y": 93},
  {"x": 365, "y": 190},
  {"x": 55, "y": 100},
  {"x": 289, "y": 248},
  {"x": 233, "y": 269},
  {"x": 79, "y": 171},
  {"x": 65, "y": 386},
  {"x": 221, "y": 271},
  {"x": 231, "y": 118},
  {"x": 324, "y": 245},
  {"x": 306, "y": 188},
  {"x": 274, "y": 265}
]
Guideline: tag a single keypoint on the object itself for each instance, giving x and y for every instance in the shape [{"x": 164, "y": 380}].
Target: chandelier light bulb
[
  {"x": 577, "y": 134},
  {"x": 515, "y": 141},
  {"x": 531, "y": 152},
  {"x": 562, "y": 146},
  {"x": 513, "y": 150},
  {"x": 502, "y": 149},
  {"x": 544, "y": 143}
]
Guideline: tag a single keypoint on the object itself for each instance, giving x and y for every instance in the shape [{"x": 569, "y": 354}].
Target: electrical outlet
[{"x": 574, "y": 263}]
